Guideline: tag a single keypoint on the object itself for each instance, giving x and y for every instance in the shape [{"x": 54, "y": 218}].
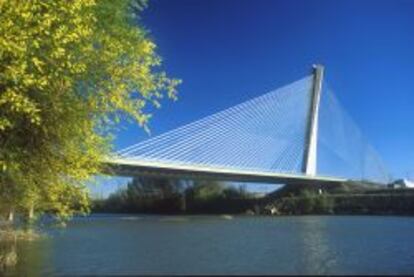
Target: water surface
[{"x": 125, "y": 244}]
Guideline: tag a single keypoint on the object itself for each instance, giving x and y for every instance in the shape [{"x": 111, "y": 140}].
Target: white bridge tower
[{"x": 309, "y": 164}]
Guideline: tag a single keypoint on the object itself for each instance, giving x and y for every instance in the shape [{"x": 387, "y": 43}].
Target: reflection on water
[
  {"x": 219, "y": 245},
  {"x": 316, "y": 253}
]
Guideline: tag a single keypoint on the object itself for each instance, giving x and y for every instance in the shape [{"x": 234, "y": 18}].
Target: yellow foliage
[{"x": 69, "y": 70}]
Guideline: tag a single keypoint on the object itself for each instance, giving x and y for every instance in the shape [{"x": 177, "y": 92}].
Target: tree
[
  {"x": 160, "y": 187},
  {"x": 69, "y": 72},
  {"x": 147, "y": 194},
  {"x": 206, "y": 190}
]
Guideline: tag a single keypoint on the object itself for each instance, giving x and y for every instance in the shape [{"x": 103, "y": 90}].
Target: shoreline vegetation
[
  {"x": 344, "y": 199},
  {"x": 163, "y": 196}
]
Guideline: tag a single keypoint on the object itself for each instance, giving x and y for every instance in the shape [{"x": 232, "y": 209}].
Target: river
[{"x": 142, "y": 244}]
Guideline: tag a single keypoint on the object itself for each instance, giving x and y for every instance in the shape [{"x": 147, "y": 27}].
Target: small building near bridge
[{"x": 402, "y": 183}]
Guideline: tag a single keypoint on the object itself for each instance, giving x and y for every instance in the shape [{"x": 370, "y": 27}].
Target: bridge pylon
[{"x": 309, "y": 164}]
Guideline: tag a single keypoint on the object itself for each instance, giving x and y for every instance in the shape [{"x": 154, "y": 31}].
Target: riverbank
[
  {"x": 14, "y": 235},
  {"x": 18, "y": 231},
  {"x": 344, "y": 199},
  {"x": 9, "y": 236}
]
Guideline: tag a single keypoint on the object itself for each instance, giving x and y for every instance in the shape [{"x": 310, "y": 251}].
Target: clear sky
[{"x": 227, "y": 51}]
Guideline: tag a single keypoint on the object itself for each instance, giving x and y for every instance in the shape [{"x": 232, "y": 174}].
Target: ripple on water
[
  {"x": 132, "y": 218},
  {"x": 174, "y": 219}
]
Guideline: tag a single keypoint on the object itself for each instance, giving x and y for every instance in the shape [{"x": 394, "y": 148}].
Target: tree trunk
[
  {"x": 31, "y": 212},
  {"x": 11, "y": 215},
  {"x": 184, "y": 202}
]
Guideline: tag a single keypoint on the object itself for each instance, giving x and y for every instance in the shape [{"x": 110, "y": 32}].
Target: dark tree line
[{"x": 164, "y": 195}]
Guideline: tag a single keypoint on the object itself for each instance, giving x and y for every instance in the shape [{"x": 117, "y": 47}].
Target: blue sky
[{"x": 227, "y": 51}]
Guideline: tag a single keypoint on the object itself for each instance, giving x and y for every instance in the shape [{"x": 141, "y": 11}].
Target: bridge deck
[{"x": 124, "y": 167}]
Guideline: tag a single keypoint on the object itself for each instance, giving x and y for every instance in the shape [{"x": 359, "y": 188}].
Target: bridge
[{"x": 296, "y": 134}]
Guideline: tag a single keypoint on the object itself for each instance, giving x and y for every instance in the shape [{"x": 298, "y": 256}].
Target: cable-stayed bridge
[{"x": 296, "y": 134}]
